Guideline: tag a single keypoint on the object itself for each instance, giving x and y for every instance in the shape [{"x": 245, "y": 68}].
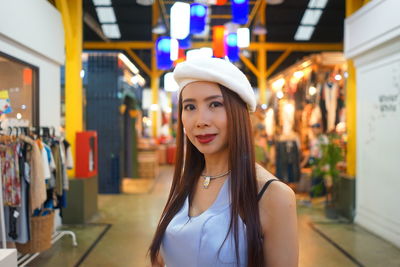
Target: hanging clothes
[
  {"x": 37, "y": 177},
  {"x": 10, "y": 175},
  {"x": 287, "y": 157},
  {"x": 331, "y": 93}
]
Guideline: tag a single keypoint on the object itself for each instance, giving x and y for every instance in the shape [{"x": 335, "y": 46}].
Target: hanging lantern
[
  {"x": 218, "y": 44},
  {"x": 232, "y": 50},
  {"x": 240, "y": 11},
  {"x": 180, "y": 20},
  {"x": 163, "y": 51},
  {"x": 185, "y": 43},
  {"x": 216, "y": 2},
  {"x": 174, "y": 50},
  {"x": 243, "y": 36},
  {"x": 198, "y": 14}
]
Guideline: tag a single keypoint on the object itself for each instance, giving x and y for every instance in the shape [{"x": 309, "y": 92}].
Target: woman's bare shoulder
[{"x": 278, "y": 195}]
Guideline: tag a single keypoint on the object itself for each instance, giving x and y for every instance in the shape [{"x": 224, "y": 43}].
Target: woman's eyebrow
[{"x": 208, "y": 98}]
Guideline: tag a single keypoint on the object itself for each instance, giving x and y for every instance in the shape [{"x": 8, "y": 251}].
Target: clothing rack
[{"x": 24, "y": 259}]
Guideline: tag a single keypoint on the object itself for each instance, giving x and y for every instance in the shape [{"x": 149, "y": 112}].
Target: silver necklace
[{"x": 207, "y": 178}]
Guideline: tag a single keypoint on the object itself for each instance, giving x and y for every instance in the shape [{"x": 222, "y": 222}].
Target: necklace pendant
[{"x": 206, "y": 181}]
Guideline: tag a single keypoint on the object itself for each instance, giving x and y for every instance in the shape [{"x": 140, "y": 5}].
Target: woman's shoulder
[{"x": 277, "y": 194}]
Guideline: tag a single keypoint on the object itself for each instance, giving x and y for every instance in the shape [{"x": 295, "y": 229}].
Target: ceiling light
[
  {"x": 102, "y": 2},
  {"x": 274, "y": 2},
  {"x": 317, "y": 3},
  {"x": 279, "y": 95},
  {"x": 106, "y": 14},
  {"x": 128, "y": 63},
  {"x": 259, "y": 29},
  {"x": 160, "y": 27},
  {"x": 278, "y": 84},
  {"x": 311, "y": 16},
  {"x": 243, "y": 36},
  {"x": 180, "y": 20},
  {"x": 312, "y": 90},
  {"x": 304, "y": 33},
  {"x": 298, "y": 74},
  {"x": 338, "y": 77},
  {"x": 111, "y": 31}
]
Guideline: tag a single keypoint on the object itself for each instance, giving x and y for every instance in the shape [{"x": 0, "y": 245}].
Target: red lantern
[
  {"x": 220, "y": 2},
  {"x": 219, "y": 41}
]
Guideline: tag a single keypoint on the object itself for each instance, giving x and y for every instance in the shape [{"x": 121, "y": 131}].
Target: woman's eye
[
  {"x": 189, "y": 107},
  {"x": 216, "y": 104}
]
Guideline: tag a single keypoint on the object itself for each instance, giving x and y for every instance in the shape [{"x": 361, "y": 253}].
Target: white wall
[
  {"x": 372, "y": 39},
  {"x": 32, "y": 31}
]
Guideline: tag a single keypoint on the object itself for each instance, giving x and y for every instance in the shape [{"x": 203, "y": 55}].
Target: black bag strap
[{"x": 265, "y": 188}]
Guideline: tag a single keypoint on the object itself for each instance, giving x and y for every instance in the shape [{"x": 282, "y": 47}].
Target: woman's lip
[{"x": 206, "y": 138}]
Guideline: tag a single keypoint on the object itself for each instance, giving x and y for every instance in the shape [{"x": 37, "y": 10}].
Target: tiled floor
[{"x": 133, "y": 219}]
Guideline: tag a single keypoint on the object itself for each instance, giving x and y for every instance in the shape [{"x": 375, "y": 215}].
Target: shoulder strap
[{"x": 265, "y": 188}]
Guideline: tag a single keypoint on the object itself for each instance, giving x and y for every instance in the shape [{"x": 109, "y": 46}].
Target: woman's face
[{"x": 204, "y": 117}]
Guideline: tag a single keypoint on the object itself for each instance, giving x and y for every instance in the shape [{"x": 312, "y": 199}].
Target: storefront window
[{"x": 18, "y": 93}]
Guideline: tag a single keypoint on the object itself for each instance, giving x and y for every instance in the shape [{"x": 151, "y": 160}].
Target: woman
[{"x": 217, "y": 213}]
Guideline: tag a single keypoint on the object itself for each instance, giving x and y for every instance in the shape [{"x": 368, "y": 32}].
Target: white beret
[{"x": 219, "y": 71}]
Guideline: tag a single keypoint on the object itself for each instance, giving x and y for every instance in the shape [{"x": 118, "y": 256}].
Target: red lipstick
[{"x": 205, "y": 138}]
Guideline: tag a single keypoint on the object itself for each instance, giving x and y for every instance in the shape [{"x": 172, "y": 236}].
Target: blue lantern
[
  {"x": 198, "y": 13},
  {"x": 185, "y": 43},
  {"x": 163, "y": 51},
  {"x": 240, "y": 11},
  {"x": 232, "y": 50}
]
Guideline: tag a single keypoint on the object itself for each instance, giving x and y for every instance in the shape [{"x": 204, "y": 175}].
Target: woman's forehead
[{"x": 200, "y": 89}]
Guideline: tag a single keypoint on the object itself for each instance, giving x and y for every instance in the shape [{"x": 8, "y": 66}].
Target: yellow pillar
[
  {"x": 154, "y": 75},
  {"x": 72, "y": 19},
  {"x": 351, "y": 101},
  {"x": 262, "y": 60}
]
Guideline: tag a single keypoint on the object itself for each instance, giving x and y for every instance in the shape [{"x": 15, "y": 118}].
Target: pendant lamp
[
  {"x": 240, "y": 11},
  {"x": 163, "y": 53},
  {"x": 218, "y": 44},
  {"x": 198, "y": 15}
]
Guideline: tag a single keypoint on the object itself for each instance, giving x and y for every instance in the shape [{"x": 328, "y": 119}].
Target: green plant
[{"x": 326, "y": 166}]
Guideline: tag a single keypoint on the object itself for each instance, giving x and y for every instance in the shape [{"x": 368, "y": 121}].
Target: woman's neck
[{"x": 215, "y": 164}]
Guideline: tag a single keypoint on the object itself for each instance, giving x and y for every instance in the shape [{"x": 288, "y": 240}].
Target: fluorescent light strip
[
  {"x": 111, "y": 31},
  {"x": 311, "y": 17},
  {"x": 106, "y": 14},
  {"x": 317, "y": 3},
  {"x": 102, "y": 2},
  {"x": 128, "y": 63},
  {"x": 304, "y": 33}
]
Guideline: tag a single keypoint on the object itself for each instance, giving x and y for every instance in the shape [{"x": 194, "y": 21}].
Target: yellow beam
[
  {"x": 154, "y": 82},
  {"x": 297, "y": 46},
  {"x": 253, "y": 13},
  {"x": 253, "y": 46},
  {"x": 262, "y": 60},
  {"x": 278, "y": 62},
  {"x": 118, "y": 45},
  {"x": 138, "y": 61},
  {"x": 72, "y": 18},
  {"x": 250, "y": 65}
]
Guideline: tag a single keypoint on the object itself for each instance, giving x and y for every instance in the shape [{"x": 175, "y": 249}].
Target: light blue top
[{"x": 196, "y": 241}]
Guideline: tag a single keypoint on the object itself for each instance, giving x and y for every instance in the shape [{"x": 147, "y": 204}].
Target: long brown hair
[{"x": 243, "y": 180}]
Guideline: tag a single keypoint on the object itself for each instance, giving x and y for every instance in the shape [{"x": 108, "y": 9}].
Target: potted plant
[{"x": 326, "y": 167}]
